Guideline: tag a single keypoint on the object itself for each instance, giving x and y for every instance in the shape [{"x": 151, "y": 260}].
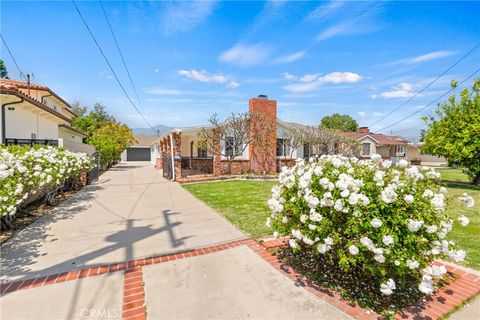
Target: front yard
[{"x": 243, "y": 202}]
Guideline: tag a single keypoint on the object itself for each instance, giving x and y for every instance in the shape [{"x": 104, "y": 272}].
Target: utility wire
[
  {"x": 426, "y": 106},
  {"x": 428, "y": 85},
  {"x": 121, "y": 54},
  {"x": 11, "y": 55},
  {"x": 110, "y": 66}
]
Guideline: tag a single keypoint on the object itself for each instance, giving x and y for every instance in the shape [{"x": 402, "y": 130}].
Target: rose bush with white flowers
[
  {"x": 371, "y": 215},
  {"x": 24, "y": 171}
]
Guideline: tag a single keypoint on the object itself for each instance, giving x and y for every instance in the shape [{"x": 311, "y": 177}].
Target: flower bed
[
  {"x": 26, "y": 171},
  {"x": 369, "y": 222}
]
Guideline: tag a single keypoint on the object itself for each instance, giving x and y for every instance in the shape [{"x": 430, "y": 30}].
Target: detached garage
[{"x": 139, "y": 151}]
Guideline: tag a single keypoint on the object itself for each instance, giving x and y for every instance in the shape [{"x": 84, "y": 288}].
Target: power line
[
  {"x": 428, "y": 85},
  {"x": 121, "y": 54},
  {"x": 110, "y": 66},
  {"x": 11, "y": 55},
  {"x": 426, "y": 106}
]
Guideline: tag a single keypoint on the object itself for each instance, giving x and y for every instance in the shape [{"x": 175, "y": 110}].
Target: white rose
[
  {"x": 408, "y": 198},
  {"x": 353, "y": 250},
  {"x": 376, "y": 223},
  {"x": 463, "y": 221}
]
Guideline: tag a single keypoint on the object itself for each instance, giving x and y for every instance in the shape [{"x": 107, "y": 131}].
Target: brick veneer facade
[
  {"x": 264, "y": 161},
  {"x": 259, "y": 161}
]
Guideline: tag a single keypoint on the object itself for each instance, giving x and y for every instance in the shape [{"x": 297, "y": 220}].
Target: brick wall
[
  {"x": 263, "y": 160},
  {"x": 238, "y": 167},
  {"x": 284, "y": 162}
]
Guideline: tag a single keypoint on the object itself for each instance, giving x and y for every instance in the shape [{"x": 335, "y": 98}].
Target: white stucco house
[{"x": 34, "y": 114}]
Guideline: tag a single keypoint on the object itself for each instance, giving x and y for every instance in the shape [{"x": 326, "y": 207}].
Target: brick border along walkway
[{"x": 443, "y": 301}]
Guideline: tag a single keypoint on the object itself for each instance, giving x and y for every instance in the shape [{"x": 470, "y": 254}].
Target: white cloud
[
  {"x": 358, "y": 17},
  {"x": 377, "y": 114},
  {"x": 324, "y": 10},
  {"x": 289, "y": 58},
  {"x": 246, "y": 55},
  {"x": 205, "y": 77},
  {"x": 156, "y": 70},
  {"x": 309, "y": 77},
  {"x": 288, "y": 76},
  {"x": 311, "y": 82},
  {"x": 431, "y": 56},
  {"x": 233, "y": 84},
  {"x": 361, "y": 113},
  {"x": 181, "y": 16},
  {"x": 403, "y": 90}
]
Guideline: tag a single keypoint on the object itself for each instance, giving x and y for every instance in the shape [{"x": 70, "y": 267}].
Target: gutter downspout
[
  {"x": 173, "y": 160},
  {"x": 4, "y": 128}
]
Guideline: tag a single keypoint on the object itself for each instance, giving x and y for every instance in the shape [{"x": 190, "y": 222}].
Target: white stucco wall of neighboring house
[
  {"x": 368, "y": 140},
  {"x": 69, "y": 135},
  {"x": 26, "y": 120}
]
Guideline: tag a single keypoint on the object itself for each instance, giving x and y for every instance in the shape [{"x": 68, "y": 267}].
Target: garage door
[{"x": 138, "y": 154}]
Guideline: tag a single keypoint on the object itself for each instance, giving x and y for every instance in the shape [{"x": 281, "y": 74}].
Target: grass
[
  {"x": 453, "y": 174},
  {"x": 244, "y": 203}
]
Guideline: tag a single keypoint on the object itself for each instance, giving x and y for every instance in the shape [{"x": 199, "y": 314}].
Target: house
[
  {"x": 140, "y": 151},
  {"x": 178, "y": 148},
  {"x": 389, "y": 147},
  {"x": 34, "y": 114},
  {"x": 415, "y": 156}
]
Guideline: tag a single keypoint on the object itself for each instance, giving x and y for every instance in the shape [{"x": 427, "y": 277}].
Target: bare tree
[
  {"x": 293, "y": 139},
  {"x": 329, "y": 141},
  {"x": 231, "y": 137}
]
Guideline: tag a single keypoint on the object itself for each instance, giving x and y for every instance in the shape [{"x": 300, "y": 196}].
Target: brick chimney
[
  {"x": 261, "y": 161},
  {"x": 363, "y": 130}
]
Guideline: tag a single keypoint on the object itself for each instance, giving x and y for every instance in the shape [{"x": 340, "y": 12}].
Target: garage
[{"x": 138, "y": 154}]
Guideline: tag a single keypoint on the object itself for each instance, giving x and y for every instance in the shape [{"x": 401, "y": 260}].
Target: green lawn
[
  {"x": 243, "y": 202},
  {"x": 453, "y": 174}
]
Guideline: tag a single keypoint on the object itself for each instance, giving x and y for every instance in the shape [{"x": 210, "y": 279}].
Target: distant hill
[{"x": 148, "y": 132}]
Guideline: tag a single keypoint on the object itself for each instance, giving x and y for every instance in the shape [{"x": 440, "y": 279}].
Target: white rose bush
[
  {"x": 24, "y": 171},
  {"x": 371, "y": 218}
]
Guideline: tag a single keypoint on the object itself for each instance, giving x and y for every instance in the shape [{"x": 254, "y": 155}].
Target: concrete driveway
[{"x": 130, "y": 214}]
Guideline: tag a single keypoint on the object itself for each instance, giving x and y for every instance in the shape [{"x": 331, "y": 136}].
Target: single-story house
[
  {"x": 415, "y": 156},
  {"x": 34, "y": 114},
  {"x": 389, "y": 147},
  {"x": 179, "y": 150},
  {"x": 140, "y": 151}
]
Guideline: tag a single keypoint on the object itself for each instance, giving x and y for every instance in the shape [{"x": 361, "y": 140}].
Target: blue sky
[{"x": 191, "y": 59}]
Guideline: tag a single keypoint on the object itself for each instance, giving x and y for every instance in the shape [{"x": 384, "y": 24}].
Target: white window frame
[{"x": 369, "y": 149}]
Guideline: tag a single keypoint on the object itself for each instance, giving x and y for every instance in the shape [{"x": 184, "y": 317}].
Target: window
[
  {"x": 33, "y": 136},
  {"x": 229, "y": 145},
  {"x": 400, "y": 149},
  {"x": 365, "y": 149},
  {"x": 283, "y": 148},
  {"x": 201, "y": 153},
  {"x": 306, "y": 150}
]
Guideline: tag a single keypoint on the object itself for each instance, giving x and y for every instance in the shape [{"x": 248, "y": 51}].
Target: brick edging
[
  {"x": 443, "y": 301},
  {"x": 108, "y": 268},
  {"x": 133, "y": 307}
]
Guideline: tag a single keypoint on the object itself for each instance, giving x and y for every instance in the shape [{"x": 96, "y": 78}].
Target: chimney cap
[{"x": 262, "y": 96}]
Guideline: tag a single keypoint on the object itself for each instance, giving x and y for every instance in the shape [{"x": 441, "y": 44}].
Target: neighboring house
[
  {"x": 415, "y": 156},
  {"x": 178, "y": 148},
  {"x": 34, "y": 114},
  {"x": 389, "y": 147},
  {"x": 140, "y": 151}
]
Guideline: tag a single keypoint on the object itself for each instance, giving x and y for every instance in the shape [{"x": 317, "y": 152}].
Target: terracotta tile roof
[
  {"x": 15, "y": 85},
  {"x": 381, "y": 139}
]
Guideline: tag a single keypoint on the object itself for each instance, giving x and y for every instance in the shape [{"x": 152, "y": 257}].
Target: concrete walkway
[{"x": 133, "y": 213}]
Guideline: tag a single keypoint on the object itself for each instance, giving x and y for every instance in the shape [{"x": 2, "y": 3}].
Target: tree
[
  {"x": 231, "y": 137},
  {"x": 110, "y": 140},
  {"x": 328, "y": 141},
  {"x": 455, "y": 132},
  {"x": 342, "y": 122},
  {"x": 92, "y": 121},
  {"x": 293, "y": 139},
  {"x": 3, "y": 70}
]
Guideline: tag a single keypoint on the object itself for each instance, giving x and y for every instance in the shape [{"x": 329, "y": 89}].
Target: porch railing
[{"x": 30, "y": 142}]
